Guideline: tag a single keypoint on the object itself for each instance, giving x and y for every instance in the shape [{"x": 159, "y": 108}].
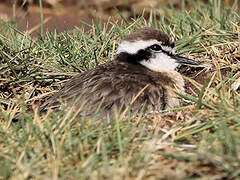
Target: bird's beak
[{"x": 183, "y": 60}]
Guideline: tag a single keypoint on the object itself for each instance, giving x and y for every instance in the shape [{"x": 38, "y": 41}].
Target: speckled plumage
[{"x": 115, "y": 83}]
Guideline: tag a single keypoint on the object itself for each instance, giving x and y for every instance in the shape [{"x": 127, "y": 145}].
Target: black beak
[{"x": 183, "y": 60}]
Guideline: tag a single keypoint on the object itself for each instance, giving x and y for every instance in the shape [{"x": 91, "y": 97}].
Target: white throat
[{"x": 161, "y": 62}]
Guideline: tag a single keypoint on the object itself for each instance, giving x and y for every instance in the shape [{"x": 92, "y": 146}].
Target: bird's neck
[{"x": 170, "y": 78}]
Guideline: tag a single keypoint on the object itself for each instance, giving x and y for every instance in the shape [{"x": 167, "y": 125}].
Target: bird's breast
[{"x": 172, "y": 81}]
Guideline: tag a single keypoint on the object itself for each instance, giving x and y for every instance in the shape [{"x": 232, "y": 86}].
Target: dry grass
[{"x": 199, "y": 140}]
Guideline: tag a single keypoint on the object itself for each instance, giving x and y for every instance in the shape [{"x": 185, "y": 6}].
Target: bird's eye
[{"x": 155, "y": 47}]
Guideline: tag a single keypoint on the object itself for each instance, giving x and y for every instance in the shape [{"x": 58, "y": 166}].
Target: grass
[{"x": 199, "y": 140}]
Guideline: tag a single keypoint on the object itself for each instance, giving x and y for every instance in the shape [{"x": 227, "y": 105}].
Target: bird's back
[
  {"x": 114, "y": 85},
  {"x": 142, "y": 75}
]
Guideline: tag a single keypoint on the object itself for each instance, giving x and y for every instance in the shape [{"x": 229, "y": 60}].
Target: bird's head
[{"x": 152, "y": 49}]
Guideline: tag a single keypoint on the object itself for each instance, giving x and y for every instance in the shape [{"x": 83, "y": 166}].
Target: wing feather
[{"x": 113, "y": 85}]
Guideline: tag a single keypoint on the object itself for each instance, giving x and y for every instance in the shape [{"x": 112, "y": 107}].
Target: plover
[{"x": 142, "y": 75}]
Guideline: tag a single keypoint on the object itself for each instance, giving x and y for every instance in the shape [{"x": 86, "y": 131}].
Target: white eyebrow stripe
[
  {"x": 134, "y": 47},
  {"x": 168, "y": 49}
]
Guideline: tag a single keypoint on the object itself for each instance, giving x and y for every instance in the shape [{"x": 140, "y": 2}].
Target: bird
[{"x": 142, "y": 76}]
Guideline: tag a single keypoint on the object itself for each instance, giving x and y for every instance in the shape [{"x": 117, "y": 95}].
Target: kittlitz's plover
[{"x": 142, "y": 75}]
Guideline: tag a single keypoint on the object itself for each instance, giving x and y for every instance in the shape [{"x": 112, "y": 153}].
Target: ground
[{"x": 198, "y": 140}]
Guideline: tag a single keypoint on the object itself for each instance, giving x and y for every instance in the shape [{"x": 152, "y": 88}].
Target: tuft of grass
[{"x": 199, "y": 140}]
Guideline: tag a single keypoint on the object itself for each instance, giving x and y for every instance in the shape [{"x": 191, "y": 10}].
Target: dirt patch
[
  {"x": 67, "y": 14},
  {"x": 198, "y": 74},
  {"x": 60, "y": 19}
]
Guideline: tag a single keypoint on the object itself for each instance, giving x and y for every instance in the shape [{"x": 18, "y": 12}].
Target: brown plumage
[
  {"x": 148, "y": 34},
  {"x": 114, "y": 84}
]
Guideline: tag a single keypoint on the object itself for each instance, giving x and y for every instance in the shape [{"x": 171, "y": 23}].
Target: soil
[
  {"x": 63, "y": 18},
  {"x": 68, "y": 14}
]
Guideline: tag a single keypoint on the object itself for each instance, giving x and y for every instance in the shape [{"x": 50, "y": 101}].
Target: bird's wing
[
  {"x": 112, "y": 86},
  {"x": 118, "y": 89},
  {"x": 71, "y": 89}
]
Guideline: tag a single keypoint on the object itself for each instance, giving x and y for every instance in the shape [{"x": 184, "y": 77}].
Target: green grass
[{"x": 199, "y": 140}]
